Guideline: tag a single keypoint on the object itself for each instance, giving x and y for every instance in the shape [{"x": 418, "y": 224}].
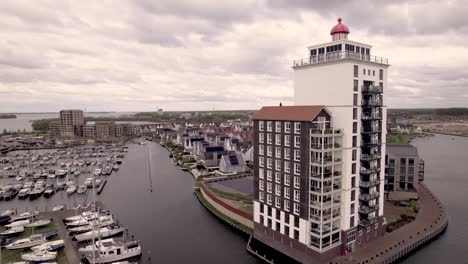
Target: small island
[{"x": 7, "y": 116}]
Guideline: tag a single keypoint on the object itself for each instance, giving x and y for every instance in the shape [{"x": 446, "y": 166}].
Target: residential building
[
  {"x": 54, "y": 129},
  {"x": 70, "y": 122},
  {"x": 105, "y": 129},
  {"x": 339, "y": 202},
  {"x": 89, "y": 130},
  {"x": 403, "y": 171},
  {"x": 232, "y": 163}
]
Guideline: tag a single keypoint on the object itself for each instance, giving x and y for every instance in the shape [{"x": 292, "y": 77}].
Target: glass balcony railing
[
  {"x": 367, "y": 209},
  {"x": 369, "y": 183},
  {"x": 371, "y": 89},
  {"x": 371, "y": 116},
  {"x": 368, "y": 196},
  {"x": 370, "y": 157},
  {"x": 370, "y": 170},
  {"x": 339, "y": 55}
]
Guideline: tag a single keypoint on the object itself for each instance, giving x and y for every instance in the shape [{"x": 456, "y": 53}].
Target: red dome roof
[{"x": 339, "y": 28}]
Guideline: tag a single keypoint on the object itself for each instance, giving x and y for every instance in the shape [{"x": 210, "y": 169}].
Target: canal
[
  {"x": 446, "y": 158},
  {"x": 169, "y": 221}
]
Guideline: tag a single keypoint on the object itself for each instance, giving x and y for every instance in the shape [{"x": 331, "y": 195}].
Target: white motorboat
[
  {"x": 49, "y": 246},
  {"x": 87, "y": 220},
  {"x": 58, "y": 207},
  {"x": 88, "y": 182},
  {"x": 97, "y": 172},
  {"x": 103, "y": 232},
  {"x": 18, "y": 223},
  {"x": 92, "y": 248},
  {"x": 24, "y": 193},
  {"x": 115, "y": 167},
  {"x": 78, "y": 217},
  {"x": 39, "y": 223},
  {"x": 91, "y": 225},
  {"x": 31, "y": 241},
  {"x": 81, "y": 189},
  {"x": 110, "y": 252},
  {"x": 71, "y": 189},
  {"x": 13, "y": 231},
  {"x": 39, "y": 256}
]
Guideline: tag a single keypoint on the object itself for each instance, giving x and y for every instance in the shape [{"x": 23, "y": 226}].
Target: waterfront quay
[{"x": 431, "y": 221}]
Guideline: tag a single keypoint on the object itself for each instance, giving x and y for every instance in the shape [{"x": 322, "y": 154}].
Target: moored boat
[
  {"x": 103, "y": 232},
  {"x": 31, "y": 241},
  {"x": 39, "y": 256}
]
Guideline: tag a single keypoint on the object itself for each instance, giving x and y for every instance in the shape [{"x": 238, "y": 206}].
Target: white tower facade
[{"x": 343, "y": 76}]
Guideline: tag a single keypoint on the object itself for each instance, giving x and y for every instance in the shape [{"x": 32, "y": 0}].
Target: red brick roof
[{"x": 291, "y": 113}]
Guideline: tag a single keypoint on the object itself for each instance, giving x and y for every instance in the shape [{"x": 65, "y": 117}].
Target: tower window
[
  {"x": 356, "y": 73},
  {"x": 355, "y": 85},
  {"x": 355, "y": 98},
  {"x": 381, "y": 74},
  {"x": 364, "y": 71}
]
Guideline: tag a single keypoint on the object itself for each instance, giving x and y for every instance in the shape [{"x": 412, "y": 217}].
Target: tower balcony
[
  {"x": 338, "y": 55},
  {"x": 369, "y": 196},
  {"x": 367, "y": 222},
  {"x": 325, "y": 162},
  {"x": 371, "y": 116},
  {"x": 367, "y": 171},
  {"x": 371, "y": 103},
  {"x": 371, "y": 144},
  {"x": 369, "y": 183},
  {"x": 370, "y": 157},
  {"x": 367, "y": 209},
  {"x": 319, "y": 146},
  {"x": 325, "y": 132},
  {"x": 372, "y": 129},
  {"x": 371, "y": 89}
]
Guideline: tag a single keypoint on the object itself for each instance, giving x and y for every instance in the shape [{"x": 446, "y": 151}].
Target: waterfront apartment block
[
  {"x": 72, "y": 124},
  {"x": 337, "y": 216},
  {"x": 403, "y": 171}
]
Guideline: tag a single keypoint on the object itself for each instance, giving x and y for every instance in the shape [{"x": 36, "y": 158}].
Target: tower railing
[{"x": 339, "y": 55}]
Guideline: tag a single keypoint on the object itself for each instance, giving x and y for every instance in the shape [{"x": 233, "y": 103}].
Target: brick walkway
[{"x": 430, "y": 221}]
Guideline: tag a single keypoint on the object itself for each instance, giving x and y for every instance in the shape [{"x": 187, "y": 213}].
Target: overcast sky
[{"x": 121, "y": 55}]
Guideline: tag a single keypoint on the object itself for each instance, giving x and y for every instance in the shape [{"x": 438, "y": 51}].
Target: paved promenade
[{"x": 431, "y": 220}]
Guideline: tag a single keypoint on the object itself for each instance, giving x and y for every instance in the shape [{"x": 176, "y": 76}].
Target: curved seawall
[{"x": 430, "y": 222}]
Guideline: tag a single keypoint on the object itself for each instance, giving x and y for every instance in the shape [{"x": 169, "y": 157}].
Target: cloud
[{"x": 199, "y": 55}]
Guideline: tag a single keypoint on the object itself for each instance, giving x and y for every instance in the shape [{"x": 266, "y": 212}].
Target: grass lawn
[
  {"x": 15, "y": 255},
  {"x": 398, "y": 138}
]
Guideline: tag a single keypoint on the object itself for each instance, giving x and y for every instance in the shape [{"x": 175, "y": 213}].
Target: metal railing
[
  {"x": 370, "y": 170},
  {"x": 338, "y": 55}
]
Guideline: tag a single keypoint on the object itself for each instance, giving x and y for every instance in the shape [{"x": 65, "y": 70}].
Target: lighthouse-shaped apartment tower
[{"x": 337, "y": 129}]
